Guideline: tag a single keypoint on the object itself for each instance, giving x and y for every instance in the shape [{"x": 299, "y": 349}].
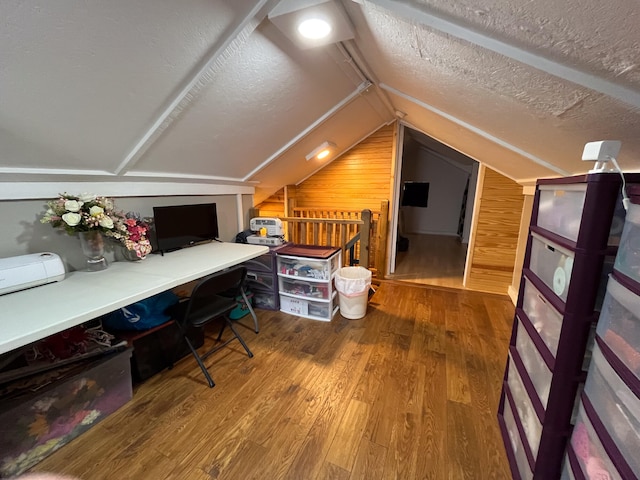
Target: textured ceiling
[{"x": 211, "y": 92}]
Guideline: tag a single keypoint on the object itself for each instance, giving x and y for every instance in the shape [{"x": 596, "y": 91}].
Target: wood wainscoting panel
[{"x": 494, "y": 241}]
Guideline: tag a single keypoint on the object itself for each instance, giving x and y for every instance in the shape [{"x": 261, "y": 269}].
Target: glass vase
[{"x": 92, "y": 244}]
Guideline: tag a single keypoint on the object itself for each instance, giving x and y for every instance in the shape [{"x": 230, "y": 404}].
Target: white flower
[
  {"x": 96, "y": 211},
  {"x": 72, "y": 205},
  {"x": 86, "y": 197},
  {"x": 72, "y": 219},
  {"x": 105, "y": 221}
]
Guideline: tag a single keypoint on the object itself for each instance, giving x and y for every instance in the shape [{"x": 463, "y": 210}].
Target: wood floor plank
[
  {"x": 345, "y": 443},
  {"x": 410, "y": 391},
  {"x": 369, "y": 462},
  {"x": 433, "y": 460}
]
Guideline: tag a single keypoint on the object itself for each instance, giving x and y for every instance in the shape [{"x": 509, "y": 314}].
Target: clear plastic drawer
[
  {"x": 628, "y": 258},
  {"x": 302, "y": 288},
  {"x": 592, "y": 457},
  {"x": 552, "y": 264},
  {"x": 516, "y": 442},
  {"x": 309, "y": 309},
  {"x": 545, "y": 319},
  {"x": 538, "y": 372},
  {"x": 524, "y": 408},
  {"x": 617, "y": 407},
  {"x": 306, "y": 267},
  {"x": 263, "y": 263},
  {"x": 265, "y": 300},
  {"x": 619, "y": 324},
  {"x": 560, "y": 209},
  {"x": 260, "y": 279}
]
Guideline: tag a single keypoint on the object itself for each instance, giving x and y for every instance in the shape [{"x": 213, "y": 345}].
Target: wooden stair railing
[{"x": 343, "y": 229}]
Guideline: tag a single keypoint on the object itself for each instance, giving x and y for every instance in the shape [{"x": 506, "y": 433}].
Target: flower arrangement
[
  {"x": 87, "y": 212},
  {"x": 132, "y": 232},
  {"x": 81, "y": 213}
]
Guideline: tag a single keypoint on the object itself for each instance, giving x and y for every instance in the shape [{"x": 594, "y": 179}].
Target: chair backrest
[{"x": 215, "y": 294}]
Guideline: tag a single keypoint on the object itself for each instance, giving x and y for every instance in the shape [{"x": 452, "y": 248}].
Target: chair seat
[{"x": 216, "y": 307}]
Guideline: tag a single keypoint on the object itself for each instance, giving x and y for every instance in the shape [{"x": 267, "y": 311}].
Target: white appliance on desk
[
  {"x": 270, "y": 231},
  {"x": 25, "y": 271}
]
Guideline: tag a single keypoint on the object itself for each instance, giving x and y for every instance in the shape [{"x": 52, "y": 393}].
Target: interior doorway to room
[{"x": 434, "y": 203}]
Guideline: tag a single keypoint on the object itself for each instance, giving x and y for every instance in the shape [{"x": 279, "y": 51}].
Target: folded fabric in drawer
[
  {"x": 545, "y": 319},
  {"x": 537, "y": 369},
  {"x": 619, "y": 324},
  {"x": 524, "y": 408},
  {"x": 591, "y": 455},
  {"x": 628, "y": 258},
  {"x": 617, "y": 407}
]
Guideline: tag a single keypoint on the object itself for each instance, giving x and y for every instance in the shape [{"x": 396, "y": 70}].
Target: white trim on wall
[{"x": 34, "y": 190}]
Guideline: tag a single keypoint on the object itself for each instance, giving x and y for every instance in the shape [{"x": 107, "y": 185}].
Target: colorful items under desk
[{"x": 35, "y": 421}]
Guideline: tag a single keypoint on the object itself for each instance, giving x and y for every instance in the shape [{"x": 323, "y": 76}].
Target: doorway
[{"x": 432, "y": 228}]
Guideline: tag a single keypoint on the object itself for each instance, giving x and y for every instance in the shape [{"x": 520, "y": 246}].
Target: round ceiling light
[{"x": 314, "y": 28}]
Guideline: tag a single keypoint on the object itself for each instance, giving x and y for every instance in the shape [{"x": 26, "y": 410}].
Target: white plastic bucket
[{"x": 352, "y": 284}]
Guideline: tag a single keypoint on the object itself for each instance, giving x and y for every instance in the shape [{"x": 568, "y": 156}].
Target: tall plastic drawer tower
[
  {"x": 606, "y": 438},
  {"x": 575, "y": 229}
]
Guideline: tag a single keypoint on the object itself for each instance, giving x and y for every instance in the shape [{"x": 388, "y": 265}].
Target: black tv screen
[{"x": 178, "y": 226}]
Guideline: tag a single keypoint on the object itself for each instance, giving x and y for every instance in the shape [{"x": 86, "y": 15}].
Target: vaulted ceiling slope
[{"x": 210, "y": 93}]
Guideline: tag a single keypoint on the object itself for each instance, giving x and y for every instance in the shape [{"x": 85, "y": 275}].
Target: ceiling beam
[
  {"x": 236, "y": 37},
  {"x": 420, "y": 15}
]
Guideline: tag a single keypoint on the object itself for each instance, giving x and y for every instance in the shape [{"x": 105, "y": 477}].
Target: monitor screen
[{"x": 178, "y": 226}]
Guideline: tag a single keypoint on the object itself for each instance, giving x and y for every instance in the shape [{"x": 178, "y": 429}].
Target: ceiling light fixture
[
  {"x": 321, "y": 151},
  {"x": 312, "y": 23},
  {"x": 314, "y": 28}
]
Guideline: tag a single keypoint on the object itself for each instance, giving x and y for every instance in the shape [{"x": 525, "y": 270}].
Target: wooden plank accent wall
[
  {"x": 495, "y": 232},
  {"x": 273, "y": 206},
  {"x": 359, "y": 179}
]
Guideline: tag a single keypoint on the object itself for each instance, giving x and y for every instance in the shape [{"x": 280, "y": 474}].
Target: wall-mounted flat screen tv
[{"x": 178, "y": 226}]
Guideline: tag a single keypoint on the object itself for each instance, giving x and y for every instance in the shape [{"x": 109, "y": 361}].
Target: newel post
[{"x": 365, "y": 238}]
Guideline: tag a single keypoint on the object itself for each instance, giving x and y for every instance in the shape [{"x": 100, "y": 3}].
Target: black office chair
[{"x": 212, "y": 298}]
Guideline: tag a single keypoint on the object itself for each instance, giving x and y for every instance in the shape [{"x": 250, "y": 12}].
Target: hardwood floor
[
  {"x": 432, "y": 260},
  {"x": 408, "y": 392}
]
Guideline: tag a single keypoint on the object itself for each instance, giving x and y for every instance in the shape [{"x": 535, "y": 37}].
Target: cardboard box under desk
[{"x": 41, "y": 413}]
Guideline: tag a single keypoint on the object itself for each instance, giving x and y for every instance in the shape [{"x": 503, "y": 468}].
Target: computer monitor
[{"x": 178, "y": 226}]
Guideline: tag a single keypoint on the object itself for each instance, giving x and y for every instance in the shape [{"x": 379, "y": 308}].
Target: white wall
[
  {"x": 447, "y": 180},
  {"x": 22, "y": 232}
]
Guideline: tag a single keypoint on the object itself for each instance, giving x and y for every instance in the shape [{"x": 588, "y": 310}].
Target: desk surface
[{"x": 32, "y": 314}]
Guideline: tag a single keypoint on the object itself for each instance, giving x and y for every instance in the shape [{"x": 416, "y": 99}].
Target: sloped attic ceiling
[{"x": 207, "y": 96}]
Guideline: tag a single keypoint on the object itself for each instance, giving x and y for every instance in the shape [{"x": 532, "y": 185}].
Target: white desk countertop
[{"x": 30, "y": 315}]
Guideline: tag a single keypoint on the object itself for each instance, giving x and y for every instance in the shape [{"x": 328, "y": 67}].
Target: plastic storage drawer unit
[
  {"x": 545, "y": 319},
  {"x": 617, "y": 406},
  {"x": 628, "y": 258},
  {"x": 619, "y": 324}
]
